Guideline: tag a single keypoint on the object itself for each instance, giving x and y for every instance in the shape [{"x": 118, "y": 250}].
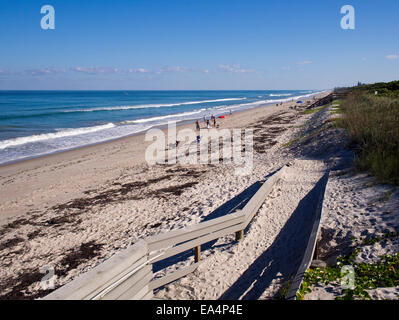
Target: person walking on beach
[
  {"x": 197, "y": 124},
  {"x": 214, "y": 120},
  {"x": 207, "y": 124}
]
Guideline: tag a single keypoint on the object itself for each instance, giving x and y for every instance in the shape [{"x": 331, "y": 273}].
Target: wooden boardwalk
[{"x": 129, "y": 274}]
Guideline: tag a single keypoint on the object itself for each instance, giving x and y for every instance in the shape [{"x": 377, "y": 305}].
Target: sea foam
[
  {"x": 46, "y": 136},
  {"x": 145, "y": 106}
]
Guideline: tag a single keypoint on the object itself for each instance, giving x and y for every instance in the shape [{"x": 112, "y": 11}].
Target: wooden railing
[
  {"x": 311, "y": 248},
  {"x": 128, "y": 274}
]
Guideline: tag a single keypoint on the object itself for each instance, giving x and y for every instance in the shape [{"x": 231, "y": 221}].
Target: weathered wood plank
[
  {"x": 134, "y": 289},
  {"x": 257, "y": 200},
  {"x": 198, "y": 241},
  {"x": 89, "y": 284},
  {"x": 154, "y": 284},
  {"x": 172, "y": 238},
  {"x": 309, "y": 252},
  {"x": 142, "y": 294},
  {"x": 148, "y": 296},
  {"x": 131, "y": 285}
]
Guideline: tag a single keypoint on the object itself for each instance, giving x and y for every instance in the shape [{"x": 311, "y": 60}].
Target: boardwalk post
[
  {"x": 239, "y": 235},
  {"x": 197, "y": 254},
  {"x": 316, "y": 251}
]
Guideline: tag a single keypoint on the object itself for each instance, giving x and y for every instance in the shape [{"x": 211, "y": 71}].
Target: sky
[{"x": 196, "y": 45}]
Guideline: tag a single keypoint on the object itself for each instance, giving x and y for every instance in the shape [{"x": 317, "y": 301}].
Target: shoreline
[
  {"x": 76, "y": 209},
  {"x": 24, "y": 182},
  {"x": 82, "y": 211},
  {"x": 160, "y": 126}
]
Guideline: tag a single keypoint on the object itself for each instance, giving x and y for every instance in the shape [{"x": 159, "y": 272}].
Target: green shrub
[
  {"x": 373, "y": 125},
  {"x": 388, "y": 89}
]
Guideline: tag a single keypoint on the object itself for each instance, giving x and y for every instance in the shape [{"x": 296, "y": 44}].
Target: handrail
[
  {"x": 133, "y": 281},
  {"x": 113, "y": 285},
  {"x": 177, "y": 236},
  {"x": 311, "y": 246}
]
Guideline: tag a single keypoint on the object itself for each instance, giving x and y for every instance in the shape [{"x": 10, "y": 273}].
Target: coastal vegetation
[
  {"x": 311, "y": 111},
  {"x": 372, "y": 122},
  {"x": 368, "y": 276},
  {"x": 386, "y": 89},
  {"x": 370, "y": 115}
]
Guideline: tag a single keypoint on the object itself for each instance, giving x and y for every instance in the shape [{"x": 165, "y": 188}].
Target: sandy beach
[
  {"x": 60, "y": 177},
  {"x": 75, "y": 209},
  {"x": 204, "y": 152}
]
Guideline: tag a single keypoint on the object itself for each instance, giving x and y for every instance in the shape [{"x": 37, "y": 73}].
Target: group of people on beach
[
  {"x": 208, "y": 122},
  {"x": 208, "y": 125}
]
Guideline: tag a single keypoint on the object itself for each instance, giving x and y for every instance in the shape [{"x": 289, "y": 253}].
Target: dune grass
[
  {"x": 291, "y": 142},
  {"x": 336, "y": 121},
  {"x": 373, "y": 126},
  {"x": 310, "y": 111}
]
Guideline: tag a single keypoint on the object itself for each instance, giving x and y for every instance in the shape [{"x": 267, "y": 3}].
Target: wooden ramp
[
  {"x": 313, "y": 238},
  {"x": 286, "y": 238}
]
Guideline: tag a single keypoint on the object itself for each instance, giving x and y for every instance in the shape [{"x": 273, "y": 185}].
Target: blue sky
[{"x": 183, "y": 45}]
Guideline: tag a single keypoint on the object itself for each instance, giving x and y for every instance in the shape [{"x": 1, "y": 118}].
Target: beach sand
[
  {"x": 41, "y": 183},
  {"x": 355, "y": 208},
  {"x": 75, "y": 209}
]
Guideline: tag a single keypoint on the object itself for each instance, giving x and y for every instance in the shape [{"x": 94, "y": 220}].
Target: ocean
[{"x": 35, "y": 123}]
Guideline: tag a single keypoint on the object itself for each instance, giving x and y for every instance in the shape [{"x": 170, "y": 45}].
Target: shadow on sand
[
  {"x": 281, "y": 260},
  {"x": 231, "y": 206}
]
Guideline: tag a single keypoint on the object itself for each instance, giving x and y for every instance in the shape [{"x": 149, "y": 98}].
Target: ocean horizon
[{"x": 36, "y": 123}]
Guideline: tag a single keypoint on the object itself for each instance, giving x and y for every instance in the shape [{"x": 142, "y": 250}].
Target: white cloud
[
  {"x": 304, "y": 62},
  {"x": 392, "y": 56},
  {"x": 138, "y": 70},
  {"x": 235, "y": 68},
  {"x": 7, "y": 73},
  {"x": 44, "y": 71},
  {"x": 96, "y": 70},
  {"x": 174, "y": 69}
]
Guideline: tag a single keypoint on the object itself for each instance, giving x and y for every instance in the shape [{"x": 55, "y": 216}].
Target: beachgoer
[
  {"x": 198, "y": 139},
  {"x": 230, "y": 112},
  {"x": 207, "y": 124},
  {"x": 214, "y": 121},
  {"x": 197, "y": 124}
]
